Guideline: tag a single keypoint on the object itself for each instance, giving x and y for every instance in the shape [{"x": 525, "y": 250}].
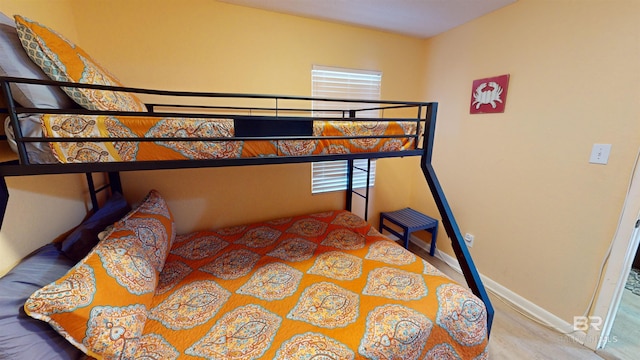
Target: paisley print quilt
[
  {"x": 206, "y": 138},
  {"x": 322, "y": 286}
]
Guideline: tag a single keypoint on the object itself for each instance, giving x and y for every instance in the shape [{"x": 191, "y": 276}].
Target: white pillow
[{"x": 15, "y": 62}]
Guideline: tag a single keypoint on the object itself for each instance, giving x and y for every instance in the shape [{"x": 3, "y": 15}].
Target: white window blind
[
  {"x": 332, "y": 175},
  {"x": 331, "y": 82}
]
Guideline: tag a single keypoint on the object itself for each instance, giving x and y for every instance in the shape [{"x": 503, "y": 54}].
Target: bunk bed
[{"x": 301, "y": 309}]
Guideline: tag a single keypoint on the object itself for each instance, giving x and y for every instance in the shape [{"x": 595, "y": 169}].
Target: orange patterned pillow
[
  {"x": 152, "y": 223},
  {"x": 62, "y": 60},
  {"x": 101, "y": 304}
]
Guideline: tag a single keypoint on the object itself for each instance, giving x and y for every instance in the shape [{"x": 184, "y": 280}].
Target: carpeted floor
[{"x": 633, "y": 282}]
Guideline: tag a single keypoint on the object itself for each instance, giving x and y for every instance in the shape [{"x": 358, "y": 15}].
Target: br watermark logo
[{"x": 583, "y": 323}]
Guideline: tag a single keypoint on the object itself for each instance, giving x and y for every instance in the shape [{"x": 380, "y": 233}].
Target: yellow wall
[
  {"x": 55, "y": 13},
  {"x": 40, "y": 208},
  {"x": 542, "y": 216}
]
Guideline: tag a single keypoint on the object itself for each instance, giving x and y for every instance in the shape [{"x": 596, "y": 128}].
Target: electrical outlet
[{"x": 468, "y": 239}]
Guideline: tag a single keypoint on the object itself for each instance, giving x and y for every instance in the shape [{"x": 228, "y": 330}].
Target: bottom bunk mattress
[{"x": 319, "y": 286}]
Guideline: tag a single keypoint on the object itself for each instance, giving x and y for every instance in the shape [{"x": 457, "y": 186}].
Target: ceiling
[{"x": 419, "y": 18}]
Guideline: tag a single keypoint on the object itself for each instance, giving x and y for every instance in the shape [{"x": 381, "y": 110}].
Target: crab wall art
[{"x": 489, "y": 95}]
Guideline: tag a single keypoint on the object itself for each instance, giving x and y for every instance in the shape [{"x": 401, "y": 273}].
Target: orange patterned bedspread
[
  {"x": 56, "y": 126},
  {"x": 326, "y": 286}
]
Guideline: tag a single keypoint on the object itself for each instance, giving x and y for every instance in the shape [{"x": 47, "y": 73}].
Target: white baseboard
[{"x": 516, "y": 301}]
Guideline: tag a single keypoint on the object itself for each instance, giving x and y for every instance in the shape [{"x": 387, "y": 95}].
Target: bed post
[
  {"x": 93, "y": 193},
  {"x": 349, "y": 194},
  {"x": 457, "y": 241},
  {"x": 4, "y": 199},
  {"x": 114, "y": 181}
]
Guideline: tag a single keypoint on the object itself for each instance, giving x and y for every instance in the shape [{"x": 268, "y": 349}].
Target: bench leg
[
  {"x": 405, "y": 232},
  {"x": 434, "y": 237}
]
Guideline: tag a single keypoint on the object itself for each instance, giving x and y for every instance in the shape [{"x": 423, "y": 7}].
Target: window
[
  {"x": 332, "y": 175},
  {"x": 330, "y": 82}
]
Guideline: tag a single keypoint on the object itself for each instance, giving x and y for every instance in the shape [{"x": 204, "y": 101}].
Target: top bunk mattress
[{"x": 102, "y": 138}]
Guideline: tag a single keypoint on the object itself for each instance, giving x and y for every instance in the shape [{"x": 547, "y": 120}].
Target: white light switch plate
[{"x": 600, "y": 153}]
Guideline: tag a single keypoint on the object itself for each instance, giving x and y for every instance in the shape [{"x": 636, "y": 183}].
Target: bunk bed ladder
[
  {"x": 463, "y": 256},
  {"x": 113, "y": 183},
  {"x": 351, "y": 168},
  {"x": 352, "y": 114}
]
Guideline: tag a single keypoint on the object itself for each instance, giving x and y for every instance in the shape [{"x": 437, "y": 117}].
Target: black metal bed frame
[{"x": 426, "y": 117}]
